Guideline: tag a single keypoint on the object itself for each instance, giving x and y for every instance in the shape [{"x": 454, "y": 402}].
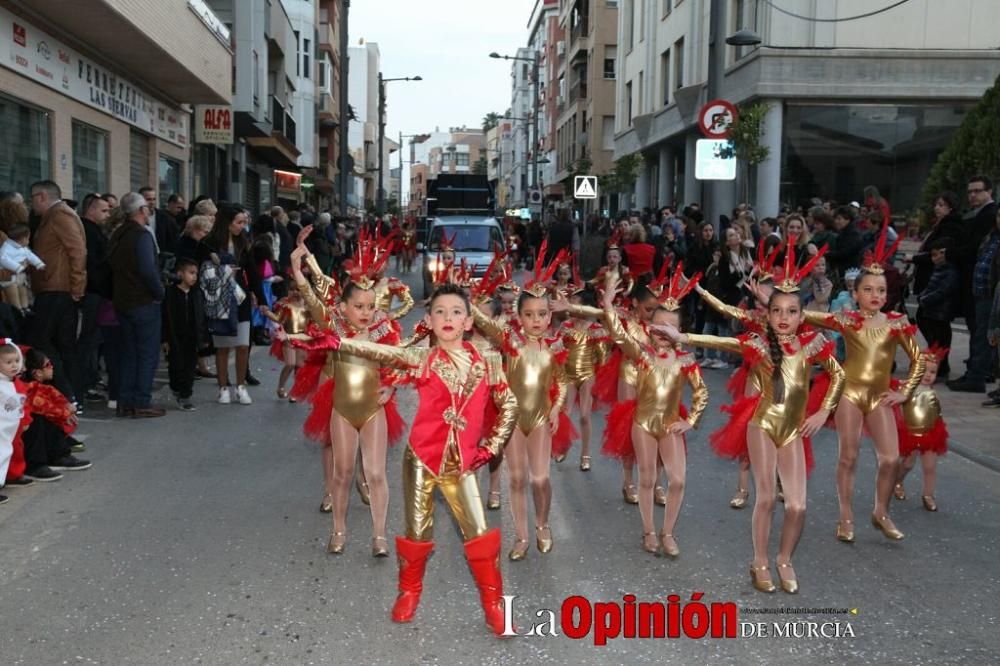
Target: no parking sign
[{"x": 715, "y": 119}]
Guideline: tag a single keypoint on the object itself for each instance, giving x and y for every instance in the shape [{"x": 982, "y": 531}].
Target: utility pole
[
  {"x": 380, "y": 192},
  {"x": 534, "y": 150}
]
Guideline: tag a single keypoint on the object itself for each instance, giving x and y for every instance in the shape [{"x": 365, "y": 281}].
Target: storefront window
[
  {"x": 90, "y": 160},
  {"x": 24, "y": 146},
  {"x": 835, "y": 151},
  {"x": 170, "y": 179},
  {"x": 138, "y": 162}
]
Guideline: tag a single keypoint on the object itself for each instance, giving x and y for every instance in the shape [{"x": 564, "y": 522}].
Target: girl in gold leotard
[
  {"x": 537, "y": 379},
  {"x": 781, "y": 361},
  {"x": 872, "y": 338}
]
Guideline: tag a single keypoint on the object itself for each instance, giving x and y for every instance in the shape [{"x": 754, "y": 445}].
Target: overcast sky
[{"x": 447, "y": 42}]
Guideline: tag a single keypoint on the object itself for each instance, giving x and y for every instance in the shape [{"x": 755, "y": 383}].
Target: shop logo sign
[
  {"x": 20, "y": 35},
  {"x": 44, "y": 50}
]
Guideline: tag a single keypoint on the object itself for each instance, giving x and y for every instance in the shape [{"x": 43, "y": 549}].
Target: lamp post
[
  {"x": 380, "y": 193},
  {"x": 535, "y": 75}
]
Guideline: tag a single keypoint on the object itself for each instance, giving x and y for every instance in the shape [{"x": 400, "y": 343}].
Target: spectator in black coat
[
  {"x": 850, "y": 244},
  {"x": 938, "y": 298},
  {"x": 162, "y": 224},
  {"x": 95, "y": 213},
  {"x": 947, "y": 224},
  {"x": 977, "y": 224},
  {"x": 184, "y": 332}
]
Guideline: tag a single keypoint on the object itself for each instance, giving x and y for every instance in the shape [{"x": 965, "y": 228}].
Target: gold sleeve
[
  {"x": 699, "y": 396},
  {"x": 827, "y": 320},
  {"x": 731, "y": 345},
  {"x": 918, "y": 364},
  {"x": 406, "y": 298},
  {"x": 601, "y": 352},
  {"x": 562, "y": 386},
  {"x": 584, "y": 311},
  {"x": 403, "y": 358},
  {"x": 504, "y": 400},
  {"x": 419, "y": 333},
  {"x": 322, "y": 283},
  {"x": 832, "y": 397},
  {"x": 724, "y": 309},
  {"x": 315, "y": 307},
  {"x": 490, "y": 329},
  {"x": 618, "y": 333}
]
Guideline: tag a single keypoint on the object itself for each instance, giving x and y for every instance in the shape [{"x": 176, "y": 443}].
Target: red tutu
[
  {"x": 563, "y": 439},
  {"x": 605, "y": 389},
  {"x": 278, "y": 350},
  {"x": 307, "y": 377},
  {"x": 395, "y": 425},
  {"x": 317, "y": 425},
  {"x": 618, "y": 432},
  {"x": 737, "y": 384},
  {"x": 933, "y": 441},
  {"x": 807, "y": 449},
  {"x": 730, "y": 441}
]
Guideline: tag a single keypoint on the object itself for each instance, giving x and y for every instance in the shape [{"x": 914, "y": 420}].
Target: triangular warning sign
[{"x": 585, "y": 188}]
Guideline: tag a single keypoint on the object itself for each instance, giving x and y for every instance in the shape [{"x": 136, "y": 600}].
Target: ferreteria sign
[{"x": 36, "y": 55}]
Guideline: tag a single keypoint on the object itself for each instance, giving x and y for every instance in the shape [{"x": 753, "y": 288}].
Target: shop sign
[
  {"x": 213, "y": 124},
  {"x": 287, "y": 180}
]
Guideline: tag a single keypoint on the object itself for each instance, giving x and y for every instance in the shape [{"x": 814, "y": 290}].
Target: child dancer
[
  {"x": 536, "y": 375},
  {"x": 922, "y": 430},
  {"x": 871, "y": 338},
  {"x": 781, "y": 361},
  {"x": 291, "y": 315},
  {"x": 658, "y": 423},
  {"x": 454, "y": 381}
]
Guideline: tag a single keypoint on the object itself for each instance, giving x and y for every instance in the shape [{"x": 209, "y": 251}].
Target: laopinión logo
[{"x": 630, "y": 618}]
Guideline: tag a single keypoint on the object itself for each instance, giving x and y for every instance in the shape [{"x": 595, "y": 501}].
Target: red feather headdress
[
  {"x": 668, "y": 291},
  {"x": 936, "y": 353},
  {"x": 370, "y": 257},
  {"x": 875, "y": 262},
  {"x": 764, "y": 267},
  {"x": 539, "y": 285},
  {"x": 788, "y": 279}
]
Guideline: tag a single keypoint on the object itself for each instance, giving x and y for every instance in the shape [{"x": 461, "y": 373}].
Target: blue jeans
[
  {"x": 721, "y": 329},
  {"x": 140, "y": 331},
  {"x": 983, "y": 358}
]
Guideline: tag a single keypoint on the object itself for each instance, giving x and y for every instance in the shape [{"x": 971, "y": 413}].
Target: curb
[{"x": 984, "y": 459}]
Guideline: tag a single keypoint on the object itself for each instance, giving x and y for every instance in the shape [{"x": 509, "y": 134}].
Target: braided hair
[{"x": 775, "y": 352}]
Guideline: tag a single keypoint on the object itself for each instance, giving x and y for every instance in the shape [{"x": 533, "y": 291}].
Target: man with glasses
[
  {"x": 60, "y": 243},
  {"x": 96, "y": 210}
]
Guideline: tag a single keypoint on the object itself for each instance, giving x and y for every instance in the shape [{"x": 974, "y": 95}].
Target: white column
[
  {"x": 767, "y": 197},
  {"x": 642, "y": 185},
  {"x": 665, "y": 186},
  {"x": 692, "y": 189}
]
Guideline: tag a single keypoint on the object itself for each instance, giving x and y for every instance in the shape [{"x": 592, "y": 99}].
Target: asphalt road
[{"x": 196, "y": 539}]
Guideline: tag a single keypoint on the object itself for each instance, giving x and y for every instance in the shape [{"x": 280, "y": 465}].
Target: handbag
[{"x": 228, "y": 327}]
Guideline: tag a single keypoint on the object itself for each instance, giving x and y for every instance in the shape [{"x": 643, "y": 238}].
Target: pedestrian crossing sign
[{"x": 585, "y": 187}]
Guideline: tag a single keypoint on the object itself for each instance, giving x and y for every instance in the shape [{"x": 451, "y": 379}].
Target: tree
[
  {"x": 490, "y": 120},
  {"x": 622, "y": 176},
  {"x": 480, "y": 168},
  {"x": 744, "y": 136},
  {"x": 972, "y": 151}
]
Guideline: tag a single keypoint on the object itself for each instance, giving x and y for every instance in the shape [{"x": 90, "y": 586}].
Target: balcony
[
  {"x": 328, "y": 39},
  {"x": 581, "y": 29},
  {"x": 279, "y": 148},
  {"x": 578, "y": 91}
]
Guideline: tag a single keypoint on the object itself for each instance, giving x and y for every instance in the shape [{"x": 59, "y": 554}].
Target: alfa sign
[{"x": 213, "y": 124}]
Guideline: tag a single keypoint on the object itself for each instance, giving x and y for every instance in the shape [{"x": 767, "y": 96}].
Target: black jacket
[
  {"x": 184, "y": 318},
  {"x": 949, "y": 226},
  {"x": 166, "y": 230},
  {"x": 98, "y": 268},
  {"x": 939, "y": 298},
  {"x": 699, "y": 257},
  {"x": 847, "y": 252},
  {"x": 135, "y": 275},
  {"x": 976, "y": 227}
]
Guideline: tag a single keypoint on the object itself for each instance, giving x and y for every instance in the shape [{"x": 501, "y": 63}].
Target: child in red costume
[{"x": 454, "y": 381}]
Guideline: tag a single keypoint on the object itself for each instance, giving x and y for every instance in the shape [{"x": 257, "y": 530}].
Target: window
[
  {"x": 628, "y": 102},
  {"x": 90, "y": 160},
  {"x": 679, "y": 63},
  {"x": 138, "y": 159},
  {"x": 742, "y": 20},
  {"x": 642, "y": 87},
  {"x": 170, "y": 178},
  {"x": 608, "y": 133},
  {"x": 462, "y": 159},
  {"x": 24, "y": 145},
  {"x": 667, "y": 6},
  {"x": 642, "y": 20},
  {"x": 610, "y": 56},
  {"x": 665, "y": 77},
  {"x": 306, "y": 58},
  {"x": 629, "y": 24},
  {"x": 256, "y": 79},
  {"x": 468, "y": 237},
  {"x": 298, "y": 45}
]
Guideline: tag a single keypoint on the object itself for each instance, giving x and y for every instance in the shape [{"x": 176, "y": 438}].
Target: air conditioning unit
[{"x": 561, "y": 47}]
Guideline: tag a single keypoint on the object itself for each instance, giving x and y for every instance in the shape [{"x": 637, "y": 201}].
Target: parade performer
[
  {"x": 871, "y": 338},
  {"x": 291, "y": 315},
  {"x": 388, "y": 289},
  {"x": 922, "y": 430},
  {"x": 534, "y": 366},
  {"x": 354, "y": 404},
  {"x": 615, "y": 265},
  {"x": 408, "y": 240},
  {"x": 454, "y": 382},
  {"x": 775, "y": 421},
  {"x": 656, "y": 430}
]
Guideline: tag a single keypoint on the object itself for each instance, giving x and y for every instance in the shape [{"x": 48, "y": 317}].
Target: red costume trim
[
  {"x": 605, "y": 389},
  {"x": 618, "y": 432}
]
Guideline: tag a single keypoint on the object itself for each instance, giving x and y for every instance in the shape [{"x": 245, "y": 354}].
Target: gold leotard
[
  {"x": 870, "y": 354},
  {"x": 294, "y": 317},
  {"x": 531, "y": 372},
  {"x": 660, "y": 382},
  {"x": 385, "y": 290},
  {"x": 921, "y": 411},
  {"x": 584, "y": 353},
  {"x": 627, "y": 372},
  {"x": 782, "y": 421}
]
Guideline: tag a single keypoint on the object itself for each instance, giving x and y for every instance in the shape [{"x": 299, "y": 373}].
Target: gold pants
[{"x": 461, "y": 491}]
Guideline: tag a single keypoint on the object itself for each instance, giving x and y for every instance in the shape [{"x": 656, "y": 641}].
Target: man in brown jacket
[{"x": 61, "y": 243}]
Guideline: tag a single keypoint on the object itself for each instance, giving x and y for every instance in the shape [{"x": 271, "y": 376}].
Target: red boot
[
  {"x": 412, "y": 557},
  {"x": 483, "y": 554}
]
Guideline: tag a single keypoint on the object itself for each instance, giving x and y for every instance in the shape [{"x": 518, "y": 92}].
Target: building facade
[
  {"x": 106, "y": 115},
  {"x": 851, "y": 103},
  {"x": 329, "y": 125},
  {"x": 363, "y": 127}
]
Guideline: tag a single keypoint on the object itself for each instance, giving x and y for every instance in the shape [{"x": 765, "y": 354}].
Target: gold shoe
[
  {"x": 899, "y": 492},
  {"x": 929, "y": 502},
  {"x": 519, "y": 551},
  {"x": 669, "y": 547},
  {"x": 380, "y": 550},
  {"x": 327, "y": 505},
  {"x": 762, "y": 585},
  {"x": 362, "y": 487},
  {"x": 740, "y": 498},
  {"x": 559, "y": 458},
  {"x": 544, "y": 545},
  {"x": 493, "y": 501},
  {"x": 336, "y": 543},
  {"x": 660, "y": 495},
  {"x": 655, "y": 548},
  {"x": 584, "y": 463},
  {"x": 282, "y": 394},
  {"x": 884, "y": 524},
  {"x": 630, "y": 494},
  {"x": 845, "y": 531},
  {"x": 789, "y": 585}
]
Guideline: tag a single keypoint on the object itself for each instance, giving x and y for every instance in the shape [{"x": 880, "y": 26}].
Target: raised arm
[
  {"x": 827, "y": 320},
  {"x": 402, "y": 292},
  {"x": 404, "y": 358},
  {"x": 630, "y": 346},
  {"x": 726, "y": 310},
  {"x": 323, "y": 284},
  {"x": 492, "y": 330},
  {"x": 731, "y": 345}
]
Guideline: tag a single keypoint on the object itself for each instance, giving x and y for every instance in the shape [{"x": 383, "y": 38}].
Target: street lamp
[
  {"x": 535, "y": 75},
  {"x": 380, "y": 194}
]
